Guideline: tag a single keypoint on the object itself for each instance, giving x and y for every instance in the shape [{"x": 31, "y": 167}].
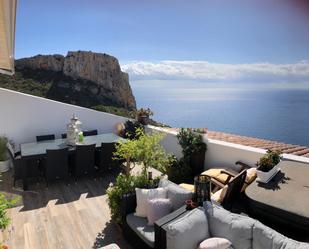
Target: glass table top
[{"x": 39, "y": 148}]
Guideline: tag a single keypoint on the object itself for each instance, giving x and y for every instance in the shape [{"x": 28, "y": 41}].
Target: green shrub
[
  {"x": 191, "y": 142},
  {"x": 3, "y": 148},
  {"x": 5, "y": 203},
  {"x": 178, "y": 170},
  {"x": 124, "y": 185}
]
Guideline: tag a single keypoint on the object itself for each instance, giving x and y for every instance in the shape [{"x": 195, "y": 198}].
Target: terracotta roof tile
[
  {"x": 257, "y": 143},
  {"x": 260, "y": 143}
]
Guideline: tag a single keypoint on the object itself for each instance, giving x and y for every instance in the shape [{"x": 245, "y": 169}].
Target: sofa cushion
[
  {"x": 175, "y": 193},
  {"x": 215, "y": 243},
  {"x": 251, "y": 175},
  {"x": 187, "y": 231},
  {"x": 234, "y": 227},
  {"x": 140, "y": 227},
  {"x": 157, "y": 208},
  {"x": 142, "y": 197},
  {"x": 265, "y": 237}
]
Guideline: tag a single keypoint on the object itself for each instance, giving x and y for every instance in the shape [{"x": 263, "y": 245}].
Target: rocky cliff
[{"x": 83, "y": 78}]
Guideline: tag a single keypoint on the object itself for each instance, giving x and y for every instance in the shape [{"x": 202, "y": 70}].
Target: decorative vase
[{"x": 265, "y": 177}]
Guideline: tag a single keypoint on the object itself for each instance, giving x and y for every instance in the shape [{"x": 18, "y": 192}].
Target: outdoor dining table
[
  {"x": 285, "y": 199},
  {"x": 37, "y": 150}
]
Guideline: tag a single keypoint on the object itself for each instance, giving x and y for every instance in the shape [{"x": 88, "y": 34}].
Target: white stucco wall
[
  {"x": 222, "y": 154},
  {"x": 169, "y": 142},
  {"x": 24, "y": 116}
]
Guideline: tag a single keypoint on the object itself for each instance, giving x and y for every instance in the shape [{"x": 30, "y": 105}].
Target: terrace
[
  {"x": 77, "y": 215},
  {"x": 74, "y": 189}
]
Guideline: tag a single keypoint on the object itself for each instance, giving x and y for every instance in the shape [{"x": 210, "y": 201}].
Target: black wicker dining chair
[
  {"x": 17, "y": 170},
  {"x": 45, "y": 137},
  {"x": 84, "y": 163},
  {"x": 105, "y": 159},
  {"x": 56, "y": 165},
  {"x": 90, "y": 133},
  {"x": 63, "y": 135}
]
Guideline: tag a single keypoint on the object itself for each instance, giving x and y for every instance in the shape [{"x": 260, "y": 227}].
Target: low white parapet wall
[
  {"x": 221, "y": 154},
  {"x": 24, "y": 116}
]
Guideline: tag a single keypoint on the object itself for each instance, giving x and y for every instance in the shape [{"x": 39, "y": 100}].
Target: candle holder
[{"x": 202, "y": 189}]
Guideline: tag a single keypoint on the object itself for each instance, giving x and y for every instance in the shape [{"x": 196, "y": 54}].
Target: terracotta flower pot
[{"x": 144, "y": 120}]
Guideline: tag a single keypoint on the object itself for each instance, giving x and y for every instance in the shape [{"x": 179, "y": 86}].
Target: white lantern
[{"x": 73, "y": 130}]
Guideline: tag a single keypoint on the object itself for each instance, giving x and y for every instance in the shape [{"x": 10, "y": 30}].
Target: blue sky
[{"x": 266, "y": 37}]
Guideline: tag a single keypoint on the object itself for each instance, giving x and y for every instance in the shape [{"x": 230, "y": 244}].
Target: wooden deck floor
[{"x": 73, "y": 216}]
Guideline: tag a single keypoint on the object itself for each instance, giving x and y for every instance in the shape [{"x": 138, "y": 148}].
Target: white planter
[
  {"x": 4, "y": 166},
  {"x": 265, "y": 177}
]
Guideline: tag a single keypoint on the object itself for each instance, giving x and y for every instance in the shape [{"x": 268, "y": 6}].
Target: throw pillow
[
  {"x": 219, "y": 195},
  {"x": 215, "y": 243},
  {"x": 251, "y": 175},
  {"x": 158, "y": 208},
  {"x": 175, "y": 193},
  {"x": 142, "y": 197}
]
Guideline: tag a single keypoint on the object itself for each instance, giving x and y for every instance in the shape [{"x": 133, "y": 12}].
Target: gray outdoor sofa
[
  {"x": 243, "y": 232},
  {"x": 135, "y": 229}
]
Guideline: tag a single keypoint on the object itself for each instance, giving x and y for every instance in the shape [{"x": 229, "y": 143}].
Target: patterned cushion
[{"x": 158, "y": 208}]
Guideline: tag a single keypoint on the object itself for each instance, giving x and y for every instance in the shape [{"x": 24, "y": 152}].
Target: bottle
[{"x": 80, "y": 137}]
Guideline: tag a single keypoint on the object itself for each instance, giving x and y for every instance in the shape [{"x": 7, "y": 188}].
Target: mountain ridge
[{"x": 87, "y": 79}]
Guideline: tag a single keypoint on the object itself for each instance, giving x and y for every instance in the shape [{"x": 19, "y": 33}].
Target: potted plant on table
[
  {"x": 268, "y": 165},
  {"x": 4, "y": 159},
  {"x": 143, "y": 115}
]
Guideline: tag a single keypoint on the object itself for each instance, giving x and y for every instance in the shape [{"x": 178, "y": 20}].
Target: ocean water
[{"x": 275, "y": 112}]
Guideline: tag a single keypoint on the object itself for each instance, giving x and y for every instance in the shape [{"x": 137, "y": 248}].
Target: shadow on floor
[
  {"x": 59, "y": 192},
  {"x": 110, "y": 234}
]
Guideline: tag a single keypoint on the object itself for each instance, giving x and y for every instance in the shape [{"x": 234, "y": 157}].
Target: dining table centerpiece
[{"x": 74, "y": 132}]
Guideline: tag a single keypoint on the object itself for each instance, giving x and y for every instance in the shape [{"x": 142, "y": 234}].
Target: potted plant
[
  {"x": 4, "y": 159},
  {"x": 193, "y": 149},
  {"x": 144, "y": 149},
  {"x": 143, "y": 115},
  {"x": 268, "y": 165}
]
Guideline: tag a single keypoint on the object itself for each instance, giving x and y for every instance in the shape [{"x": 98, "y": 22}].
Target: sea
[{"x": 277, "y": 112}]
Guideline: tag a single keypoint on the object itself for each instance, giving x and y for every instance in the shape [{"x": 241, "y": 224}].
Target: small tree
[{"x": 145, "y": 149}]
